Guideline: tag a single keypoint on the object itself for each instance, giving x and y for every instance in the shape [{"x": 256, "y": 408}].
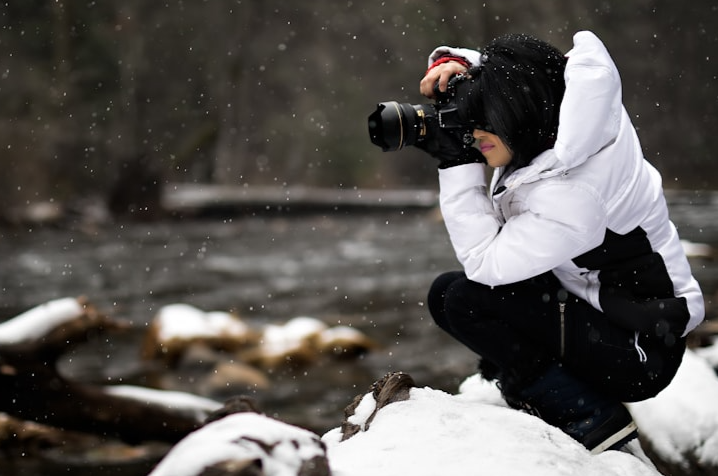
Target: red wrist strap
[{"x": 446, "y": 59}]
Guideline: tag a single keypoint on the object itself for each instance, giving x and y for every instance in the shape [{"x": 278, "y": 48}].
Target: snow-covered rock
[
  {"x": 177, "y": 326},
  {"x": 681, "y": 423},
  {"x": 473, "y": 432},
  {"x": 400, "y": 429},
  {"x": 303, "y": 340},
  {"x": 244, "y": 441}
]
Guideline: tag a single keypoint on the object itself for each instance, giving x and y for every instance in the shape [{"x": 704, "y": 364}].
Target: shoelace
[{"x": 642, "y": 357}]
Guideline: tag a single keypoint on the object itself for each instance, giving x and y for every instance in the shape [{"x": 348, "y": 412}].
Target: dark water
[{"x": 368, "y": 270}]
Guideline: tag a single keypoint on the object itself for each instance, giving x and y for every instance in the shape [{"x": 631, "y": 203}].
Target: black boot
[{"x": 563, "y": 401}]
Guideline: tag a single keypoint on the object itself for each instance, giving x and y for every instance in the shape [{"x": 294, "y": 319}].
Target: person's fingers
[
  {"x": 446, "y": 75},
  {"x": 426, "y": 86},
  {"x": 441, "y": 73}
]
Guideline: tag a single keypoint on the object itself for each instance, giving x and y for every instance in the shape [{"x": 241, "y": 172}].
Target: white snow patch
[
  {"x": 697, "y": 250},
  {"x": 437, "y": 433},
  {"x": 186, "y": 403},
  {"x": 339, "y": 333},
  {"x": 182, "y": 321},
  {"x": 683, "y": 418},
  {"x": 363, "y": 411},
  {"x": 38, "y": 321},
  {"x": 473, "y": 432},
  {"x": 235, "y": 438},
  {"x": 281, "y": 339}
]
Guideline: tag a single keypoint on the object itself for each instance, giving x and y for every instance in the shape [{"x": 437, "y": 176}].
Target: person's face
[{"x": 496, "y": 153}]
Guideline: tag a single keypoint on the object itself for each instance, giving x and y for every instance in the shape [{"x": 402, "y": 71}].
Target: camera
[{"x": 394, "y": 125}]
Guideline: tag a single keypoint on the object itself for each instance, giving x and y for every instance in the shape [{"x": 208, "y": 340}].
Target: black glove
[{"x": 451, "y": 147}]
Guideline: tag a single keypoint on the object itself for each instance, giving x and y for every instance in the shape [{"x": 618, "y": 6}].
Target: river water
[{"x": 367, "y": 269}]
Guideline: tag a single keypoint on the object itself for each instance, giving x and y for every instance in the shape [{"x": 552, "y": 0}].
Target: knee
[
  {"x": 464, "y": 301},
  {"x": 436, "y": 298},
  {"x": 438, "y": 288}
]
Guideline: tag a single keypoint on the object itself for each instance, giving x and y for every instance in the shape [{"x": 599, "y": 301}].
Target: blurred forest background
[{"x": 109, "y": 101}]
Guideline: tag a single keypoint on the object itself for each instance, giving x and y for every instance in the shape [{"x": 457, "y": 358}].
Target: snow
[
  {"x": 683, "y": 419},
  {"x": 363, "y": 411},
  {"x": 433, "y": 432},
  {"x": 182, "y": 321},
  {"x": 301, "y": 338},
  {"x": 438, "y": 433},
  {"x": 474, "y": 432},
  {"x": 283, "y": 339},
  {"x": 238, "y": 437},
  {"x": 185, "y": 403},
  {"x": 339, "y": 334},
  {"x": 40, "y": 320},
  {"x": 697, "y": 250}
]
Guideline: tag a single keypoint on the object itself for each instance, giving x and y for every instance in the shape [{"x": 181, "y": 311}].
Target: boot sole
[{"x": 618, "y": 439}]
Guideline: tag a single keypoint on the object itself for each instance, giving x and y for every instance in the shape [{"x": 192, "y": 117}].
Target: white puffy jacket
[{"x": 591, "y": 210}]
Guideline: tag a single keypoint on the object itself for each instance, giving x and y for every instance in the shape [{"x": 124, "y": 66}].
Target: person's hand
[
  {"x": 451, "y": 147},
  {"x": 441, "y": 73}
]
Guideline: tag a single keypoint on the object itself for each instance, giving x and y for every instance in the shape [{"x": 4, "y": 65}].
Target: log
[
  {"x": 34, "y": 390},
  {"x": 185, "y": 199}
]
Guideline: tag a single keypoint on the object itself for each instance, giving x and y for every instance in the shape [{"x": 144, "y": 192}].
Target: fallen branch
[{"x": 34, "y": 390}]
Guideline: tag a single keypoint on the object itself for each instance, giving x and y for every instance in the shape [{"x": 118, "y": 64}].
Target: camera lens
[{"x": 394, "y": 125}]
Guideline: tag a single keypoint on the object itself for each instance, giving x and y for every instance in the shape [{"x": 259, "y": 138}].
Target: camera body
[{"x": 394, "y": 125}]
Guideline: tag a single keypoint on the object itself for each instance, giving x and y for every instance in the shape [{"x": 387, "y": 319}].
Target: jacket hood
[
  {"x": 591, "y": 110},
  {"x": 590, "y": 115}
]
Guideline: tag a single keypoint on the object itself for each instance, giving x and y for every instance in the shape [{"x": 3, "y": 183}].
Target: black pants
[{"x": 517, "y": 327}]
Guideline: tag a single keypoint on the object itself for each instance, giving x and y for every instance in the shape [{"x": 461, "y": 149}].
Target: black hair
[{"x": 516, "y": 94}]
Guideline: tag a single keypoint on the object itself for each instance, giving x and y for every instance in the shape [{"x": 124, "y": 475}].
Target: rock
[
  {"x": 26, "y": 437},
  {"x": 303, "y": 340},
  {"x": 289, "y": 343},
  {"x": 344, "y": 342},
  {"x": 177, "y": 327},
  {"x": 227, "y": 377},
  {"x": 393, "y": 387},
  {"x": 238, "y": 404},
  {"x": 246, "y": 444},
  {"x": 433, "y": 432}
]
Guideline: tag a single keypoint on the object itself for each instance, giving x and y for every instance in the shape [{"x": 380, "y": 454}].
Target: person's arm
[
  {"x": 561, "y": 221},
  {"x": 591, "y": 108}
]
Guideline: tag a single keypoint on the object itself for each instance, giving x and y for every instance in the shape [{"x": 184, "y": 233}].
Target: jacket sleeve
[
  {"x": 472, "y": 56},
  {"x": 547, "y": 233},
  {"x": 592, "y": 84}
]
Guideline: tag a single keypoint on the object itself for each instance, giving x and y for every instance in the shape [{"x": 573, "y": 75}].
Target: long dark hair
[{"x": 516, "y": 94}]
